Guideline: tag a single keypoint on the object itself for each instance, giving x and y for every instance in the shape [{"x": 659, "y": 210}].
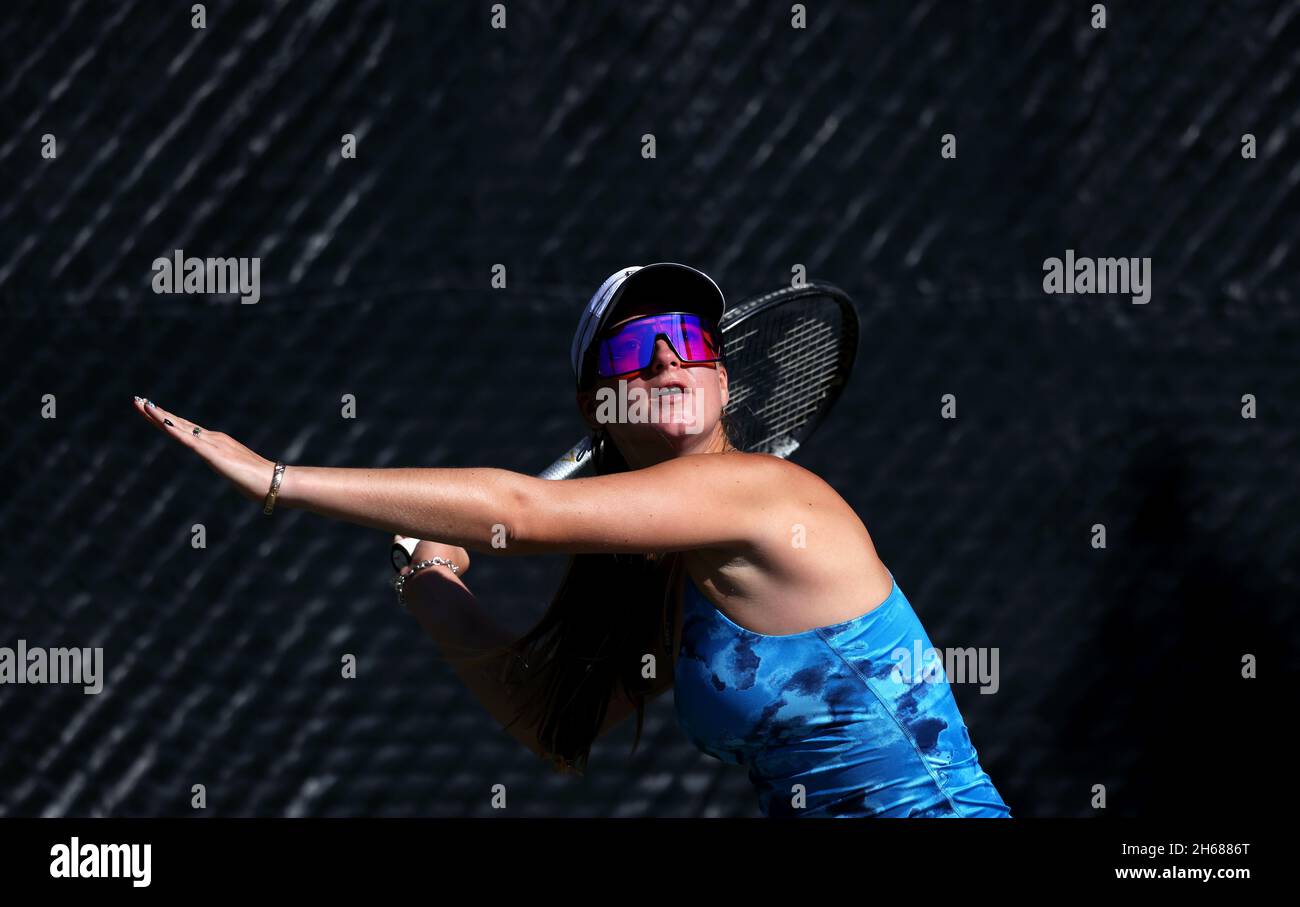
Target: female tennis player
[{"x": 740, "y": 579}]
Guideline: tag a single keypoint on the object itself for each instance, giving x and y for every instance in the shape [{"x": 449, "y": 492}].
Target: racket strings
[{"x": 779, "y": 394}]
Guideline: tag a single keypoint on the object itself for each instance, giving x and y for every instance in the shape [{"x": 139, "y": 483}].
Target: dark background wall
[{"x": 776, "y": 147}]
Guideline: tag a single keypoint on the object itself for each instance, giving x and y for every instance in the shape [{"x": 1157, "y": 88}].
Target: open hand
[{"x": 249, "y": 473}]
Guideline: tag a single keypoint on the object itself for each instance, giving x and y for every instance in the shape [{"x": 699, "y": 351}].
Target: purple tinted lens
[
  {"x": 630, "y": 347},
  {"x": 622, "y": 353},
  {"x": 696, "y": 342}
]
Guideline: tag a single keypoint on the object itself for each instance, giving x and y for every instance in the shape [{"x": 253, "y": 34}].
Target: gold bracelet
[{"x": 275, "y": 488}]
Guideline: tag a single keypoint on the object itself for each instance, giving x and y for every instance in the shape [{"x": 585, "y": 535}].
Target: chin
[
  {"x": 685, "y": 422},
  {"x": 653, "y": 435},
  {"x": 677, "y": 431},
  {"x": 682, "y": 429}
]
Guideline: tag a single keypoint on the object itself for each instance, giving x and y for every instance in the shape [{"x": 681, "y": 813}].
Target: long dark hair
[{"x": 609, "y": 613}]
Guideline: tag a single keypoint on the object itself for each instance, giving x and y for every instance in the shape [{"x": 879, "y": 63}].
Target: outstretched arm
[
  {"x": 692, "y": 502},
  {"x": 688, "y": 502}
]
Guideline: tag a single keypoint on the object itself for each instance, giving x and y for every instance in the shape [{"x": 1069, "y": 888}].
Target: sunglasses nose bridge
[
  {"x": 668, "y": 342},
  {"x": 655, "y": 356}
]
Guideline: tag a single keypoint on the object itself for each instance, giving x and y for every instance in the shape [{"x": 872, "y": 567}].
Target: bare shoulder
[
  {"x": 800, "y": 505},
  {"x": 773, "y": 485},
  {"x": 807, "y": 558},
  {"x": 791, "y": 480},
  {"x": 759, "y": 475},
  {"x": 763, "y": 465}
]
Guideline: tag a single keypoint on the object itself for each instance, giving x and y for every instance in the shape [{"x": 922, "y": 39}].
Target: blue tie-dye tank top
[{"x": 827, "y": 709}]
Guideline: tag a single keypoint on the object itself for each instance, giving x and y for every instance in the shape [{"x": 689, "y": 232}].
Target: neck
[{"x": 715, "y": 442}]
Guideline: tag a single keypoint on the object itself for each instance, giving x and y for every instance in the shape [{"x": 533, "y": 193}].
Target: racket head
[{"x": 789, "y": 355}]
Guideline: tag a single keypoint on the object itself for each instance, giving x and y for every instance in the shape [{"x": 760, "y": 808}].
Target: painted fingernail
[
  {"x": 138, "y": 399},
  {"x": 167, "y": 421},
  {"x": 148, "y": 403}
]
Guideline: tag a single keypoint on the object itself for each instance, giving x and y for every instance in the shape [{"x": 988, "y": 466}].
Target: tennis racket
[{"x": 789, "y": 355}]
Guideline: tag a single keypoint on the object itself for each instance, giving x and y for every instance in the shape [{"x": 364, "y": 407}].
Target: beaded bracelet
[{"x": 432, "y": 562}]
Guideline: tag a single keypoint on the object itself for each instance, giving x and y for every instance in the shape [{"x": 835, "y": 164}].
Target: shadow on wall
[{"x": 1159, "y": 688}]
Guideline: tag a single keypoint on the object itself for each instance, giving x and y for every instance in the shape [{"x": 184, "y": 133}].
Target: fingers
[
  {"x": 397, "y": 539},
  {"x": 147, "y": 409},
  {"x": 170, "y": 424},
  {"x": 171, "y": 420}
]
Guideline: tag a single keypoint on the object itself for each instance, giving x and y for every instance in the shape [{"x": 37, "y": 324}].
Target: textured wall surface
[{"x": 775, "y": 147}]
